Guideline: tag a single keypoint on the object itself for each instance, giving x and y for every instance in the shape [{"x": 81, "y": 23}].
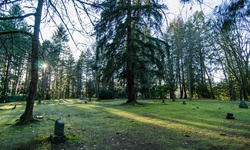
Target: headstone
[
  {"x": 184, "y": 102},
  {"x": 243, "y": 104},
  {"x": 59, "y": 127},
  {"x": 58, "y": 136},
  {"x": 230, "y": 116}
]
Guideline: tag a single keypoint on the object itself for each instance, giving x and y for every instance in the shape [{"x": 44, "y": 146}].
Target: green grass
[{"x": 111, "y": 126}]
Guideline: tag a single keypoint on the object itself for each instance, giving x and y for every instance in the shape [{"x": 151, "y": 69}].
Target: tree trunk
[
  {"x": 244, "y": 87},
  {"x": 232, "y": 91},
  {"x": 130, "y": 60},
  {"x": 171, "y": 80},
  {"x": 210, "y": 85},
  {"x": 179, "y": 78},
  {"x": 97, "y": 77},
  {"x": 6, "y": 81},
  {"x": 183, "y": 91},
  {"x": 190, "y": 92},
  {"x": 27, "y": 116},
  {"x": 16, "y": 84}
]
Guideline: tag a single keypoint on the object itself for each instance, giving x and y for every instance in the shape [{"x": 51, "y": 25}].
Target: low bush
[
  {"x": 14, "y": 98},
  {"x": 106, "y": 94}
]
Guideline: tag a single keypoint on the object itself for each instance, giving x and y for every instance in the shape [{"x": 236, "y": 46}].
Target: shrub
[
  {"x": 47, "y": 96},
  {"x": 22, "y": 97},
  {"x": 13, "y": 98},
  {"x": 159, "y": 91},
  {"x": 106, "y": 94}
]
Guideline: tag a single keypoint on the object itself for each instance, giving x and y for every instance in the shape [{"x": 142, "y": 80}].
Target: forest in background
[{"x": 179, "y": 62}]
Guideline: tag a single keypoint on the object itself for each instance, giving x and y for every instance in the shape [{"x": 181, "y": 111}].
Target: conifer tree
[{"x": 122, "y": 40}]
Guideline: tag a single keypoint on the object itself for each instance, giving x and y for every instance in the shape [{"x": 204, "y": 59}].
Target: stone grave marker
[
  {"x": 230, "y": 116},
  {"x": 58, "y": 136},
  {"x": 243, "y": 104}
]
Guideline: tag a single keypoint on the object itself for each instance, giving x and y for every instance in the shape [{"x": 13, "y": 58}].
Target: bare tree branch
[
  {"x": 61, "y": 18},
  {"x": 96, "y": 5}
]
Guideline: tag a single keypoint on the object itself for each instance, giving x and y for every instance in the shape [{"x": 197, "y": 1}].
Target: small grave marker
[
  {"x": 58, "y": 136},
  {"x": 230, "y": 116},
  {"x": 243, "y": 104},
  {"x": 59, "y": 127}
]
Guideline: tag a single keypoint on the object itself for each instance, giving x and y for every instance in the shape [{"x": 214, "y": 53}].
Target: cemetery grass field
[{"x": 108, "y": 125}]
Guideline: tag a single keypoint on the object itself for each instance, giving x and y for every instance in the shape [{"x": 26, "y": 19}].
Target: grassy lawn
[{"x": 107, "y": 125}]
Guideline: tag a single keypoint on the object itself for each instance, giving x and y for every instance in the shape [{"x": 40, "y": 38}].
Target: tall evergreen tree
[
  {"x": 60, "y": 40},
  {"x": 13, "y": 52},
  {"x": 79, "y": 75},
  {"x": 120, "y": 31}
]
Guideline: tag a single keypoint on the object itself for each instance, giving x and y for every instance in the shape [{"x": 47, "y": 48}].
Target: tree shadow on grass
[
  {"x": 111, "y": 126},
  {"x": 197, "y": 129}
]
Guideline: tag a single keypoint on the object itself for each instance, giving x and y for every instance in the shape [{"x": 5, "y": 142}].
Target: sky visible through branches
[{"x": 83, "y": 38}]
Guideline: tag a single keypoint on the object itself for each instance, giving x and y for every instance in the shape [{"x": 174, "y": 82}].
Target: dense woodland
[{"x": 135, "y": 55}]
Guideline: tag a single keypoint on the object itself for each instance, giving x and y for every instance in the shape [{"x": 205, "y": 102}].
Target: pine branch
[
  {"x": 16, "y": 32},
  {"x": 16, "y": 17}
]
